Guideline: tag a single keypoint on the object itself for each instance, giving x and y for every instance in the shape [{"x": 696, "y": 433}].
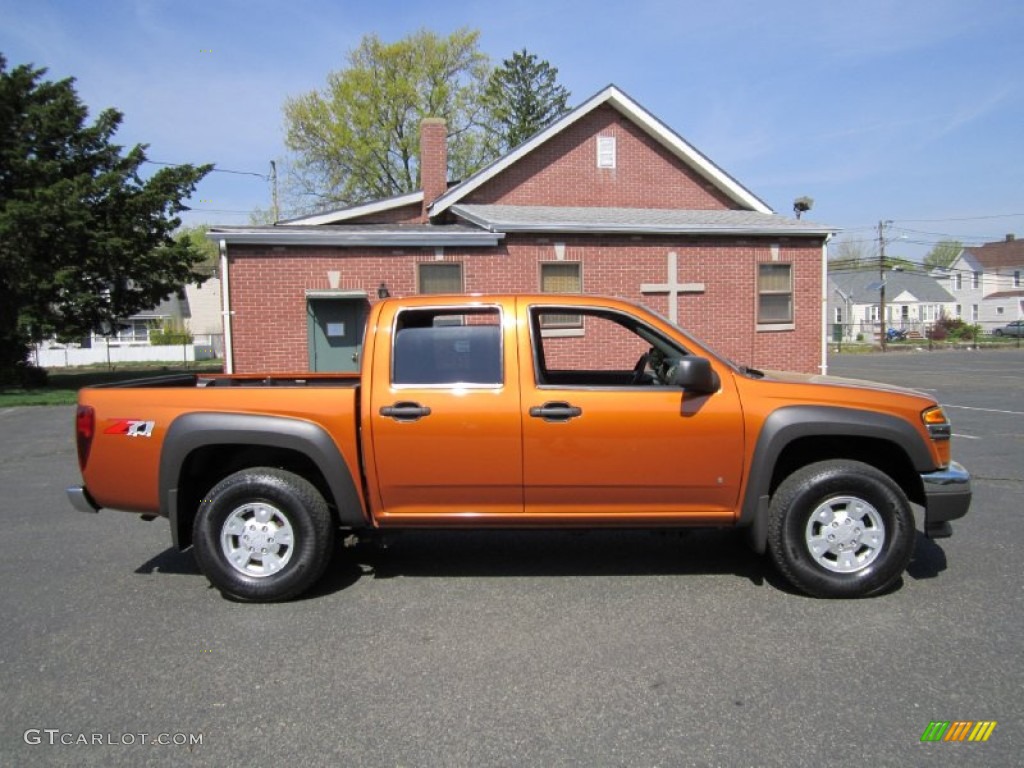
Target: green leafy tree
[
  {"x": 358, "y": 138},
  {"x": 83, "y": 239},
  {"x": 195, "y": 238},
  {"x": 943, "y": 254},
  {"x": 523, "y": 97}
]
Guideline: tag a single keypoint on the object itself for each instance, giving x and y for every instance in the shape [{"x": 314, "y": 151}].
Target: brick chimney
[{"x": 433, "y": 160}]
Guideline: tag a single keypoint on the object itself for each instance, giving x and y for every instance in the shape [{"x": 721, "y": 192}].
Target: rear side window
[{"x": 438, "y": 347}]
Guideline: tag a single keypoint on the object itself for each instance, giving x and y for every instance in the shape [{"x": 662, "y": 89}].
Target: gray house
[{"x": 913, "y": 302}]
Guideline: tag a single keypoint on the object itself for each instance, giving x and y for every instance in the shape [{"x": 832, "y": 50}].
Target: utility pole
[
  {"x": 273, "y": 190},
  {"x": 881, "y": 277}
]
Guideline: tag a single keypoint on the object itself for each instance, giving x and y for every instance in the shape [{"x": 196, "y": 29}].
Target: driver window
[{"x": 613, "y": 351}]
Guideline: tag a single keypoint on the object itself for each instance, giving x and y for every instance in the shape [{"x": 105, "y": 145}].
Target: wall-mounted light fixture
[{"x": 383, "y": 292}]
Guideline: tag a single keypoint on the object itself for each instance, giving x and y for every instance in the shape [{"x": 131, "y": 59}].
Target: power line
[{"x": 263, "y": 176}]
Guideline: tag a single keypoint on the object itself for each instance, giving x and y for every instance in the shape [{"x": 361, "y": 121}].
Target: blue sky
[{"x": 910, "y": 111}]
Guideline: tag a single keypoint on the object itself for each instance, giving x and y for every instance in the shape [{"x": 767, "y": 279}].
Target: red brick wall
[
  {"x": 268, "y": 289},
  {"x": 564, "y": 172}
]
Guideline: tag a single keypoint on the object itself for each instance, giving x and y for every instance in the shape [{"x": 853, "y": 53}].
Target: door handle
[
  {"x": 405, "y": 411},
  {"x": 556, "y": 411}
]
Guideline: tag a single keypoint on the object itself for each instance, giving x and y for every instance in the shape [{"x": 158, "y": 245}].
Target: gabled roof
[
  {"x": 356, "y": 211},
  {"x": 862, "y": 286},
  {"x": 610, "y": 96},
  {"x": 647, "y": 122},
  {"x": 535, "y": 218},
  {"x": 1002, "y": 254}
]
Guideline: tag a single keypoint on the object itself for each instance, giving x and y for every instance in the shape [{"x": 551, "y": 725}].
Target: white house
[
  {"x": 986, "y": 283},
  {"x": 196, "y": 308},
  {"x": 913, "y": 302}
]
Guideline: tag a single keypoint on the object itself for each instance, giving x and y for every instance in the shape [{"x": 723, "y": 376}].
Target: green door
[{"x": 335, "y": 334}]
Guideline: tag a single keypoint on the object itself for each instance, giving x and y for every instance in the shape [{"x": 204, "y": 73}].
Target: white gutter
[
  {"x": 225, "y": 287},
  {"x": 824, "y": 306}
]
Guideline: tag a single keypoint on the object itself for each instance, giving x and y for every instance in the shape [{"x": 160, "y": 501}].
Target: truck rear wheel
[
  {"x": 263, "y": 535},
  {"x": 840, "y": 529}
]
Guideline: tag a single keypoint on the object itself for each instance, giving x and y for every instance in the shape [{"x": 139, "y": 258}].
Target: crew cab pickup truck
[{"x": 542, "y": 411}]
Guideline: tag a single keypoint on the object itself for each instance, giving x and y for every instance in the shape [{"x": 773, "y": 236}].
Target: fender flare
[
  {"x": 192, "y": 431},
  {"x": 790, "y": 423}
]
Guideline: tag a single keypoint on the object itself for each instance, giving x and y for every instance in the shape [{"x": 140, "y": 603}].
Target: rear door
[{"x": 444, "y": 415}]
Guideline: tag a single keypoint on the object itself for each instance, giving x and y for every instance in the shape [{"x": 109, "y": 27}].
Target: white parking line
[
  {"x": 965, "y": 437},
  {"x": 986, "y": 410}
]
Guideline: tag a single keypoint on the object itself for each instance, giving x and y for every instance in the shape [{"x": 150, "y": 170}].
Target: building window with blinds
[
  {"x": 440, "y": 278},
  {"x": 561, "y": 277},
  {"x": 774, "y": 294}
]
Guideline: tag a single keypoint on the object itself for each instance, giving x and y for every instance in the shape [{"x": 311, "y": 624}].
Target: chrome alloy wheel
[
  {"x": 845, "y": 534},
  {"x": 257, "y": 539}
]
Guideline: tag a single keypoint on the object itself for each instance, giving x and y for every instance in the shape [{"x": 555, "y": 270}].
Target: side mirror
[{"x": 694, "y": 374}]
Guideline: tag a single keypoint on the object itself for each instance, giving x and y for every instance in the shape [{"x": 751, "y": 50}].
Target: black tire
[
  {"x": 864, "y": 556},
  {"x": 263, "y": 535}
]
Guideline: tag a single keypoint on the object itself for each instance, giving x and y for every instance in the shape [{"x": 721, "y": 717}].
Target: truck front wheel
[
  {"x": 840, "y": 529},
  {"x": 263, "y": 535}
]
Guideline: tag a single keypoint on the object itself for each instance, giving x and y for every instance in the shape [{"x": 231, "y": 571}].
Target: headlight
[{"x": 937, "y": 423}]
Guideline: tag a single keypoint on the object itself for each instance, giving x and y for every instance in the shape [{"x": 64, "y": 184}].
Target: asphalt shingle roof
[
  {"x": 862, "y": 285},
  {"x": 535, "y": 218}
]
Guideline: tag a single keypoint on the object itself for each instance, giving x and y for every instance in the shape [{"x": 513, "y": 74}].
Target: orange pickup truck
[{"x": 539, "y": 411}]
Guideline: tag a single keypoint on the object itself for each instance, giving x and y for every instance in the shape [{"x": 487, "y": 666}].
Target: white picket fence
[{"x": 52, "y": 355}]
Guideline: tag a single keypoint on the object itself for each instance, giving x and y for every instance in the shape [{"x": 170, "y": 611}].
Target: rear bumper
[
  {"x": 947, "y": 497},
  {"x": 81, "y": 500}
]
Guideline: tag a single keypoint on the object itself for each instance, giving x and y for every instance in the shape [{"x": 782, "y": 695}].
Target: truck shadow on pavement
[
  {"x": 171, "y": 561},
  {"x": 453, "y": 554},
  {"x": 520, "y": 554}
]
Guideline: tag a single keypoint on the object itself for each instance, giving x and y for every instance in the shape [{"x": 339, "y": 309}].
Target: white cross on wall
[{"x": 673, "y": 287}]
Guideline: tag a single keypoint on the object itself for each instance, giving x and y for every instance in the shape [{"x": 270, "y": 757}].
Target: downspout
[
  {"x": 225, "y": 287},
  {"x": 824, "y": 305}
]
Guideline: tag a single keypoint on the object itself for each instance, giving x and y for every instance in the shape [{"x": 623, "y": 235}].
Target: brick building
[{"x": 607, "y": 200}]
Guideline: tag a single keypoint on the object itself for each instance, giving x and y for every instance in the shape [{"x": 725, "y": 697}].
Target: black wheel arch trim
[
  {"x": 790, "y": 423},
  {"x": 192, "y": 431}
]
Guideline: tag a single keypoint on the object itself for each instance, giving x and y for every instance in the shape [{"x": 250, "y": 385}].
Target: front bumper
[
  {"x": 81, "y": 500},
  {"x": 947, "y": 497}
]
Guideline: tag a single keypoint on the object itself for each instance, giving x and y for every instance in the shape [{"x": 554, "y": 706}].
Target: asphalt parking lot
[{"x": 558, "y": 649}]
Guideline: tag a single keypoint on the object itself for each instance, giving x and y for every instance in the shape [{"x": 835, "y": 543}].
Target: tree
[
  {"x": 523, "y": 97},
  {"x": 195, "y": 237},
  {"x": 944, "y": 253},
  {"x": 84, "y": 240},
  {"x": 849, "y": 254},
  {"x": 358, "y": 139}
]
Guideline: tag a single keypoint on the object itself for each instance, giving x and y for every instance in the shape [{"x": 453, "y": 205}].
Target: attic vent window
[{"x": 605, "y": 151}]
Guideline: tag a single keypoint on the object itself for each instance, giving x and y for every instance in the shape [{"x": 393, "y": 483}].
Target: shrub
[
  {"x": 170, "y": 332},
  {"x": 955, "y": 328}
]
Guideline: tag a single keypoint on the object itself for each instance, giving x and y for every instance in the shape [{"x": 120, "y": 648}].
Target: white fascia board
[
  {"x": 366, "y": 239},
  {"x": 377, "y": 206}
]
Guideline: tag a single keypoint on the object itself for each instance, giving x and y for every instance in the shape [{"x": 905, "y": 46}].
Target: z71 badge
[{"x": 131, "y": 428}]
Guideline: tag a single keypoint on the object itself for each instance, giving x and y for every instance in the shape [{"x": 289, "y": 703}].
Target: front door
[
  {"x": 335, "y": 334},
  {"x": 604, "y": 436}
]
